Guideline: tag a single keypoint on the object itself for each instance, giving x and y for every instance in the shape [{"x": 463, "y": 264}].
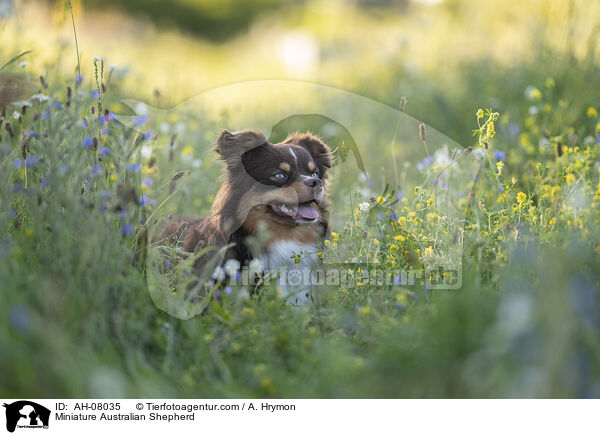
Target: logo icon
[{"x": 26, "y": 414}]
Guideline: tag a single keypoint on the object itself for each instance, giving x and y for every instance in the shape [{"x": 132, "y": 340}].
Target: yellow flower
[
  {"x": 535, "y": 94},
  {"x": 499, "y": 166},
  {"x": 570, "y": 179},
  {"x": 430, "y": 202},
  {"x": 187, "y": 150},
  {"x": 479, "y": 114},
  {"x": 402, "y": 220},
  {"x": 521, "y": 197},
  {"x": 364, "y": 310},
  {"x": 376, "y": 242},
  {"x": 399, "y": 238},
  {"x": 393, "y": 248},
  {"x": 334, "y": 235},
  {"x": 592, "y": 112},
  {"x": 379, "y": 199},
  {"x": 550, "y": 83},
  {"x": 401, "y": 298}
]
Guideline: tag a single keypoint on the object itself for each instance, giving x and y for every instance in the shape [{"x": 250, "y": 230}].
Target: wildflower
[
  {"x": 133, "y": 167},
  {"x": 105, "y": 131},
  {"x": 32, "y": 161},
  {"x": 95, "y": 170},
  {"x": 499, "y": 155},
  {"x": 255, "y": 266},
  {"x": 393, "y": 248},
  {"x": 401, "y": 298},
  {"x": 126, "y": 230},
  {"x": 97, "y": 58},
  {"x": 95, "y": 94},
  {"x": 379, "y": 199},
  {"x": 501, "y": 187},
  {"x": 356, "y": 307},
  {"x": 424, "y": 163},
  {"x": 22, "y": 64},
  {"x": 479, "y": 114},
  {"x": 376, "y": 242},
  {"x": 140, "y": 120},
  {"x": 87, "y": 141},
  {"x": 550, "y": 83},
  {"x": 499, "y": 166},
  {"x": 364, "y": 310},
  {"x": 45, "y": 115},
  {"x": 105, "y": 151},
  {"x": 521, "y": 197},
  {"x": 570, "y": 179},
  {"x": 18, "y": 163},
  {"x": 16, "y": 115},
  {"x": 187, "y": 151},
  {"x": 533, "y": 93},
  {"x": 592, "y": 112},
  {"x": 402, "y": 220},
  {"x": 34, "y": 134},
  {"x": 58, "y": 105},
  {"x": 78, "y": 79},
  {"x": 148, "y": 135},
  {"x": 228, "y": 290}
]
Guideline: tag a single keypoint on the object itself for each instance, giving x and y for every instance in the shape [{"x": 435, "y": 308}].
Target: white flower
[
  {"x": 141, "y": 109},
  {"x": 39, "y": 97},
  {"x": 16, "y": 115},
  {"x": 97, "y": 58},
  {"x": 112, "y": 66},
  {"x": 22, "y": 64},
  {"x": 218, "y": 274},
  {"x": 363, "y": 207},
  {"x": 164, "y": 127},
  {"x": 255, "y": 266},
  {"x": 231, "y": 266}
]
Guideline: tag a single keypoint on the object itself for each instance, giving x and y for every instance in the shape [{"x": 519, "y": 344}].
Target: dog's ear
[
  {"x": 231, "y": 145},
  {"x": 319, "y": 151}
]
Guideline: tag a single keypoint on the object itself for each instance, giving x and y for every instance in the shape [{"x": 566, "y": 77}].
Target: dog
[{"x": 280, "y": 188}]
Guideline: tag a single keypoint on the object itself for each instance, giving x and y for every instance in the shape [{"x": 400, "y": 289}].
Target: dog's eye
[
  {"x": 279, "y": 176},
  {"x": 315, "y": 174}
]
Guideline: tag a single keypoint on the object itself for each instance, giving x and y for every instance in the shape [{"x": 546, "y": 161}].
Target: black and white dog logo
[{"x": 26, "y": 414}]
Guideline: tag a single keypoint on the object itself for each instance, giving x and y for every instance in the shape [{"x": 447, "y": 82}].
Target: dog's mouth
[{"x": 300, "y": 214}]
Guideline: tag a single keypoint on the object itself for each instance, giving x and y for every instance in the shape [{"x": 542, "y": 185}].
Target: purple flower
[
  {"x": 34, "y": 134},
  {"x": 501, "y": 187},
  {"x": 149, "y": 135},
  {"x": 399, "y": 306},
  {"x": 398, "y": 280},
  {"x": 87, "y": 142},
  {"x": 167, "y": 262},
  {"x": 95, "y": 94},
  {"x": 424, "y": 163},
  {"x": 95, "y": 170},
  {"x": 105, "y": 131},
  {"x": 45, "y": 115},
  {"x": 43, "y": 182},
  {"x": 84, "y": 123},
  {"x": 134, "y": 167},
  {"x": 144, "y": 201},
  {"x": 598, "y": 139},
  {"x": 228, "y": 290},
  {"x": 32, "y": 161},
  {"x": 217, "y": 293},
  {"x": 104, "y": 151},
  {"x": 499, "y": 155},
  {"x": 148, "y": 182},
  {"x": 58, "y": 105},
  {"x": 140, "y": 120},
  {"x": 78, "y": 79},
  {"x": 122, "y": 213},
  {"x": 356, "y": 307},
  {"x": 393, "y": 216},
  {"x": 126, "y": 230},
  {"x": 18, "y": 163}
]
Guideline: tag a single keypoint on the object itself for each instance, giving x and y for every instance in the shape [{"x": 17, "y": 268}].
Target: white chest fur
[{"x": 280, "y": 255}]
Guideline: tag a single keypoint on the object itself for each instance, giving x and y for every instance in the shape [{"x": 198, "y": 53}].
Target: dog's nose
[{"x": 314, "y": 182}]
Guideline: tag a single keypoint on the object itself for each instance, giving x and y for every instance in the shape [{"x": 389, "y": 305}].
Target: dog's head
[{"x": 282, "y": 183}]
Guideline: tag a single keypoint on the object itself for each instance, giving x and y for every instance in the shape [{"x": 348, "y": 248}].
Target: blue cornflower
[
  {"x": 122, "y": 212},
  {"x": 88, "y": 141},
  {"x": 356, "y": 307},
  {"x": 95, "y": 170},
  {"x": 105, "y": 131},
  {"x": 104, "y": 151},
  {"x": 126, "y": 230},
  {"x": 149, "y": 135},
  {"x": 399, "y": 306},
  {"x": 45, "y": 115},
  {"x": 228, "y": 290},
  {"x": 424, "y": 163},
  {"x": 84, "y": 123},
  {"x": 144, "y": 201},
  {"x": 140, "y": 120},
  {"x": 34, "y": 134},
  {"x": 78, "y": 79},
  {"x": 58, "y": 105},
  {"x": 32, "y": 161},
  {"x": 167, "y": 262},
  {"x": 134, "y": 167},
  {"x": 18, "y": 163},
  {"x": 95, "y": 94},
  {"x": 393, "y": 216},
  {"x": 148, "y": 182},
  {"x": 499, "y": 155}
]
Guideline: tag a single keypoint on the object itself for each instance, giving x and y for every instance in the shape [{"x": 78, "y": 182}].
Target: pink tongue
[{"x": 307, "y": 212}]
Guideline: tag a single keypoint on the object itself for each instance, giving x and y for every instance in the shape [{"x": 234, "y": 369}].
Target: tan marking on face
[
  {"x": 285, "y": 167},
  {"x": 311, "y": 166}
]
